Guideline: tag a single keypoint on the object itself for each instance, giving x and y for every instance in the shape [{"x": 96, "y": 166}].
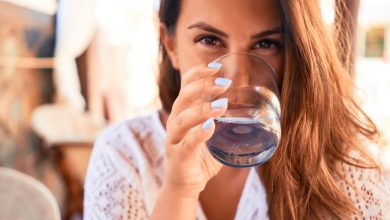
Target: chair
[
  {"x": 69, "y": 135},
  {"x": 25, "y": 198}
]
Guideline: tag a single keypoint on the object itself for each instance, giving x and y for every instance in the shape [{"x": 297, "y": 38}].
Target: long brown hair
[{"x": 321, "y": 121}]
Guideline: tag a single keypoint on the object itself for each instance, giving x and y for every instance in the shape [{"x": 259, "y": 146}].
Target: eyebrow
[
  {"x": 209, "y": 28},
  {"x": 267, "y": 33}
]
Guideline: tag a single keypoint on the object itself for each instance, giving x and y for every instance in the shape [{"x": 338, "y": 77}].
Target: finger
[
  {"x": 201, "y": 90},
  {"x": 186, "y": 120},
  {"x": 196, "y": 139},
  {"x": 199, "y": 72}
]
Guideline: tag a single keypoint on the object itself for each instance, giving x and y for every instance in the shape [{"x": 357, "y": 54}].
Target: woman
[{"x": 321, "y": 169}]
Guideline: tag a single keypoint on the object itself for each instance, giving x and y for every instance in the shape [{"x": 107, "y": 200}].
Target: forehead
[{"x": 243, "y": 14}]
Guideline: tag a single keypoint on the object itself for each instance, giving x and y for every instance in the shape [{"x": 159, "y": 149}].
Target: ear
[{"x": 168, "y": 42}]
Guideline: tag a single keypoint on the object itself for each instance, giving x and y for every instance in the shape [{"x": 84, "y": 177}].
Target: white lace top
[{"x": 126, "y": 172}]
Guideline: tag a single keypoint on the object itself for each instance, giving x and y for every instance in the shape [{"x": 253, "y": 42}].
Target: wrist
[
  {"x": 174, "y": 204},
  {"x": 185, "y": 193}
]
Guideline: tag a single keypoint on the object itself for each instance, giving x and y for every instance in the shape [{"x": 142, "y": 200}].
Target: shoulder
[
  {"x": 133, "y": 143},
  {"x": 127, "y": 128},
  {"x": 131, "y": 134},
  {"x": 118, "y": 171},
  {"x": 124, "y": 168}
]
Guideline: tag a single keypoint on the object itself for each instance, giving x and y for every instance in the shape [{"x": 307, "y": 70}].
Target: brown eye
[
  {"x": 209, "y": 41},
  {"x": 268, "y": 44},
  {"x": 265, "y": 44}
]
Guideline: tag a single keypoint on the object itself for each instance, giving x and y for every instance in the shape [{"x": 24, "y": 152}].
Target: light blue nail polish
[
  {"x": 207, "y": 125},
  {"x": 223, "y": 82},
  {"x": 219, "y": 103},
  {"x": 214, "y": 65}
]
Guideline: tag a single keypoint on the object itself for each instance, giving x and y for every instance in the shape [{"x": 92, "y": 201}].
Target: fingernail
[
  {"x": 222, "y": 82},
  {"x": 207, "y": 125},
  {"x": 214, "y": 65},
  {"x": 219, "y": 103}
]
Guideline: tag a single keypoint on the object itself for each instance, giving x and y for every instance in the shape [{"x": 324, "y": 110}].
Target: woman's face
[{"x": 207, "y": 29}]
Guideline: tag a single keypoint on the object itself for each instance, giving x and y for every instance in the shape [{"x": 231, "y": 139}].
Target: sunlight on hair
[{"x": 327, "y": 11}]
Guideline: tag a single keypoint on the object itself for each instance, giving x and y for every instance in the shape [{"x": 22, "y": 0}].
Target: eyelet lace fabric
[
  {"x": 126, "y": 171},
  {"x": 368, "y": 190}
]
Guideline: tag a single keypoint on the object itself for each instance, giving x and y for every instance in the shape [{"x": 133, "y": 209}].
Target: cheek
[
  {"x": 278, "y": 66},
  {"x": 191, "y": 55},
  {"x": 279, "y": 70},
  {"x": 187, "y": 57},
  {"x": 276, "y": 61}
]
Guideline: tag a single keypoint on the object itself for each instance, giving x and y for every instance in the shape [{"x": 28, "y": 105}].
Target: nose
[
  {"x": 238, "y": 69},
  {"x": 247, "y": 70}
]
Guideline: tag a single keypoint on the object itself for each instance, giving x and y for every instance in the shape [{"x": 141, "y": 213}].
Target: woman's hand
[{"x": 189, "y": 164}]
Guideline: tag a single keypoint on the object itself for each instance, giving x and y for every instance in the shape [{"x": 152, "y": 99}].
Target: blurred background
[{"x": 69, "y": 68}]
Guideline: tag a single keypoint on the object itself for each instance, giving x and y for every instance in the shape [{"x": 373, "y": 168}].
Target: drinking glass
[{"x": 249, "y": 132}]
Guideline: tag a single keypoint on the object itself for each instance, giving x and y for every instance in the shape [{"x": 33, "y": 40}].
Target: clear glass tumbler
[{"x": 248, "y": 133}]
